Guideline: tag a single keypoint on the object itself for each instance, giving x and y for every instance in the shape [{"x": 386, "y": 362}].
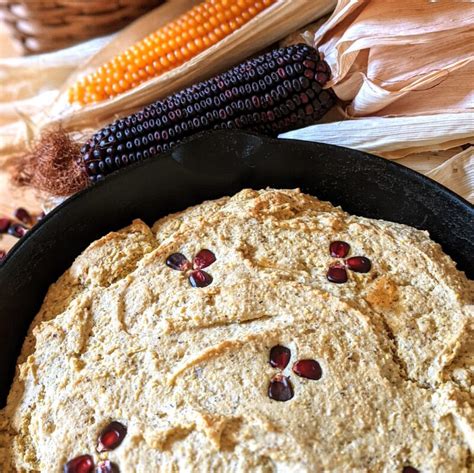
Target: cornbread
[{"x": 216, "y": 341}]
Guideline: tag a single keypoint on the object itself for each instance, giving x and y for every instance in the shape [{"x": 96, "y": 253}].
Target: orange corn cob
[{"x": 167, "y": 48}]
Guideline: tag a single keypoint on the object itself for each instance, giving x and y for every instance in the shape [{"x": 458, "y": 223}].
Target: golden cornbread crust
[{"x": 121, "y": 336}]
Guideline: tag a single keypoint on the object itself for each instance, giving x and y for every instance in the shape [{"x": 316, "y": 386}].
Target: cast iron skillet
[{"x": 209, "y": 166}]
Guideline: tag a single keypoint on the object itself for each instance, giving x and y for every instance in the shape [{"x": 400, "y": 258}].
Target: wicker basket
[{"x": 46, "y": 25}]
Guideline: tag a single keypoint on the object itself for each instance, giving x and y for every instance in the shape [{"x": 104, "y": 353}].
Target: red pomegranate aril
[
  {"x": 17, "y": 230},
  {"x": 337, "y": 274},
  {"x": 111, "y": 436},
  {"x": 81, "y": 464},
  {"x": 4, "y": 224},
  {"x": 200, "y": 278},
  {"x": 339, "y": 249},
  {"x": 280, "y": 388},
  {"x": 3, "y": 255},
  {"x": 410, "y": 469},
  {"x": 178, "y": 261},
  {"x": 203, "y": 259},
  {"x": 310, "y": 369},
  {"x": 23, "y": 215},
  {"x": 280, "y": 356},
  {"x": 359, "y": 264},
  {"x": 107, "y": 466}
]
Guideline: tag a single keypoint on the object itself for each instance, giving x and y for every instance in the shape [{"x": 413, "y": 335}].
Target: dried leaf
[
  {"x": 393, "y": 137},
  {"x": 457, "y": 174},
  {"x": 416, "y": 61}
]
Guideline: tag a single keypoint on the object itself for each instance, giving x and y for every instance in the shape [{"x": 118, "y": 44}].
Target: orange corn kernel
[{"x": 167, "y": 48}]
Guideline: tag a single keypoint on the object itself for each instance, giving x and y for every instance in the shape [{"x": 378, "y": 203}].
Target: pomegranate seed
[
  {"x": 4, "y": 224},
  {"x": 111, "y": 437},
  {"x": 178, "y": 261},
  {"x": 409, "y": 469},
  {"x": 107, "y": 467},
  {"x": 359, "y": 264},
  {"x": 81, "y": 464},
  {"x": 203, "y": 259},
  {"x": 280, "y": 388},
  {"x": 280, "y": 356},
  {"x": 310, "y": 369},
  {"x": 3, "y": 255},
  {"x": 337, "y": 273},
  {"x": 23, "y": 215},
  {"x": 200, "y": 278},
  {"x": 17, "y": 230},
  {"x": 339, "y": 249}
]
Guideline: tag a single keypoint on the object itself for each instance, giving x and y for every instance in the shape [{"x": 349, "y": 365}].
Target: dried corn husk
[
  {"x": 31, "y": 84},
  {"x": 400, "y": 57},
  {"x": 457, "y": 174},
  {"x": 409, "y": 75},
  {"x": 28, "y": 87},
  {"x": 393, "y": 137}
]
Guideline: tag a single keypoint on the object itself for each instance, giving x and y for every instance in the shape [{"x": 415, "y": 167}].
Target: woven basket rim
[{"x": 39, "y": 25}]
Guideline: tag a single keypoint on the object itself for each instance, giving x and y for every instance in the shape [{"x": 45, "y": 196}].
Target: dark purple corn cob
[{"x": 278, "y": 91}]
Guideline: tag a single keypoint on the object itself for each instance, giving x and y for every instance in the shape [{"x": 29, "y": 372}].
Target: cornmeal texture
[{"x": 123, "y": 337}]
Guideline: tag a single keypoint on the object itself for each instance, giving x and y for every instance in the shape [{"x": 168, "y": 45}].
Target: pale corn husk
[
  {"x": 430, "y": 144},
  {"x": 428, "y": 160},
  {"x": 400, "y": 57},
  {"x": 30, "y": 84},
  {"x": 457, "y": 174},
  {"x": 393, "y": 137},
  {"x": 28, "y": 87}
]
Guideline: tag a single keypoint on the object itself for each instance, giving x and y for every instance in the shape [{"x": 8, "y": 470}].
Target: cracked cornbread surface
[{"x": 123, "y": 337}]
